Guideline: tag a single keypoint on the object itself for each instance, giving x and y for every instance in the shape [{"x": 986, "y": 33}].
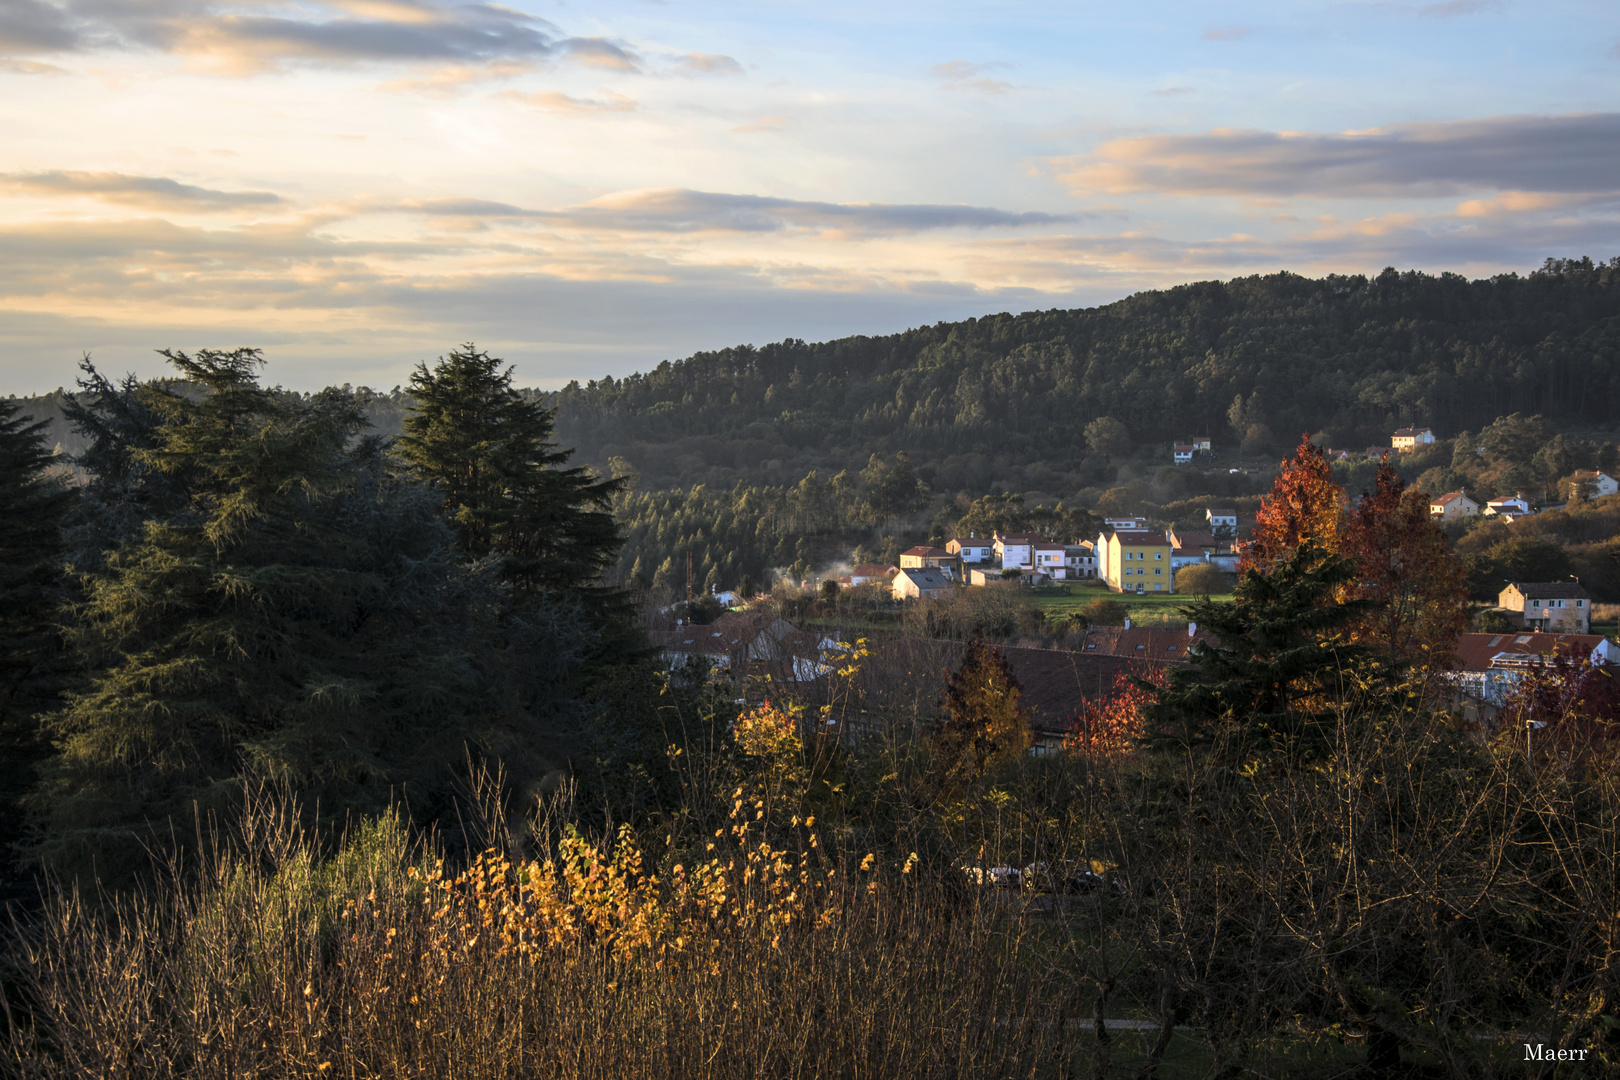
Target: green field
[{"x": 1144, "y": 608}]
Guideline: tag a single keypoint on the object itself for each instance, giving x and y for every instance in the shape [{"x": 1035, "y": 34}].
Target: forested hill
[{"x": 1353, "y": 355}]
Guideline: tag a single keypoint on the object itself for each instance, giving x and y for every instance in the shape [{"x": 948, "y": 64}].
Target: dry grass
[{"x": 588, "y": 960}]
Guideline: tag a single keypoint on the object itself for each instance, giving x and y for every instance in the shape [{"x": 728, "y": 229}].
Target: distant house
[
  {"x": 1410, "y": 438},
  {"x": 1126, "y": 523},
  {"x": 1379, "y": 453},
  {"x": 921, "y": 556},
  {"x": 1488, "y": 666},
  {"x": 1016, "y": 550},
  {"x": 1338, "y": 455},
  {"x": 1561, "y": 606},
  {"x": 1452, "y": 505},
  {"x": 1202, "y": 445},
  {"x": 1183, "y": 452},
  {"x": 1191, "y": 548},
  {"x": 1222, "y": 521},
  {"x": 1080, "y": 560},
  {"x": 1159, "y": 644},
  {"x": 742, "y": 642},
  {"x": 868, "y": 572},
  {"x": 1597, "y": 483},
  {"x": 1135, "y": 561},
  {"x": 972, "y": 549},
  {"x": 1508, "y": 507},
  {"x": 925, "y": 583}
]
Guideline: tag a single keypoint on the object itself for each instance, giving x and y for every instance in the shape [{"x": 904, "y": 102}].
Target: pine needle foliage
[
  {"x": 299, "y": 616},
  {"x": 30, "y": 546}
]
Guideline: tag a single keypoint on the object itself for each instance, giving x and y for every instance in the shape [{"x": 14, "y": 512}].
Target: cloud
[
  {"x": 1576, "y": 153},
  {"x": 451, "y": 79},
  {"x": 1226, "y": 33},
  {"x": 1452, "y": 9},
  {"x": 146, "y": 192},
  {"x": 764, "y": 123},
  {"x": 676, "y": 210},
  {"x": 13, "y": 66},
  {"x": 709, "y": 64},
  {"x": 963, "y": 75},
  {"x": 246, "y": 36},
  {"x": 29, "y": 26},
  {"x": 1173, "y": 91},
  {"x": 466, "y": 208},
  {"x": 558, "y": 102}
]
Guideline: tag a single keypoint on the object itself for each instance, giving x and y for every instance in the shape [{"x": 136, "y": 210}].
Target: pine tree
[
  {"x": 984, "y": 725},
  {"x": 506, "y": 486},
  {"x": 30, "y": 546},
  {"x": 299, "y": 618}
]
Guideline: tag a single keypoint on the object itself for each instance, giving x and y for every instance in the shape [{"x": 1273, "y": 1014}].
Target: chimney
[
  {"x": 1127, "y": 622},
  {"x": 1192, "y": 629}
]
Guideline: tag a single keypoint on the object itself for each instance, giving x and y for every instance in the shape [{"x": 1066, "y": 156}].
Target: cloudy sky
[{"x": 356, "y": 185}]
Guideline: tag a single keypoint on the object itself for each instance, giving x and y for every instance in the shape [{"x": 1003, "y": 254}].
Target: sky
[{"x": 357, "y": 186}]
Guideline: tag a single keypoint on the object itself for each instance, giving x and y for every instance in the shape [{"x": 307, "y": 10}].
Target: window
[
  {"x": 1156, "y": 570},
  {"x": 1578, "y": 603},
  {"x": 1158, "y": 554}
]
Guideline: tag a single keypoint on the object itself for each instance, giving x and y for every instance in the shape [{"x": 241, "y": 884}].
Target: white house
[
  {"x": 1410, "y": 438},
  {"x": 1191, "y": 548},
  {"x": 1222, "y": 521},
  {"x": 1183, "y": 452},
  {"x": 972, "y": 549},
  {"x": 1015, "y": 550},
  {"x": 1508, "y": 506},
  {"x": 1452, "y": 505},
  {"x": 1050, "y": 560},
  {"x": 1488, "y": 666},
  {"x": 1126, "y": 524},
  {"x": 924, "y": 583},
  {"x": 1202, "y": 444},
  {"x": 1597, "y": 483},
  {"x": 1549, "y": 605}
]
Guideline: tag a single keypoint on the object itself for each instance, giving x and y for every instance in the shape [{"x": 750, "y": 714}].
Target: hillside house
[
  {"x": 746, "y": 642},
  {"x": 1222, "y": 520},
  {"x": 1487, "y": 666},
  {"x": 1127, "y": 523},
  {"x": 1452, "y": 505},
  {"x": 1508, "y": 507},
  {"x": 1202, "y": 445},
  {"x": 1407, "y": 439},
  {"x": 1183, "y": 452},
  {"x": 1135, "y": 561},
  {"x": 1049, "y": 560},
  {"x": 1597, "y": 483},
  {"x": 1560, "y": 606},
  {"x": 1080, "y": 560},
  {"x": 972, "y": 549},
  {"x": 1159, "y": 644},
  {"x": 923, "y": 556},
  {"x": 925, "y": 583},
  {"x": 1379, "y": 453},
  {"x": 1015, "y": 551},
  {"x": 1191, "y": 548},
  {"x": 869, "y": 572}
]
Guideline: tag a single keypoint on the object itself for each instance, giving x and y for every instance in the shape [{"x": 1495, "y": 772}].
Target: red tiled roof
[
  {"x": 926, "y": 552},
  {"x": 1474, "y": 651},
  {"x": 1135, "y": 536},
  {"x": 870, "y": 570},
  {"x": 1449, "y": 496},
  {"x": 1141, "y": 642}
]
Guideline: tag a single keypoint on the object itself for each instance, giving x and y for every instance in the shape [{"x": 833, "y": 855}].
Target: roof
[
  {"x": 1048, "y": 547},
  {"x": 1019, "y": 538},
  {"x": 1450, "y": 496},
  {"x": 926, "y": 552},
  {"x": 1139, "y": 536},
  {"x": 735, "y": 632},
  {"x": 1588, "y": 474},
  {"x": 1082, "y": 545},
  {"x": 926, "y": 577},
  {"x": 1409, "y": 432},
  {"x": 872, "y": 569},
  {"x": 1551, "y": 590},
  {"x": 972, "y": 541},
  {"x": 1141, "y": 643},
  {"x": 1475, "y": 652},
  {"x": 1502, "y": 499},
  {"x": 1181, "y": 540},
  {"x": 1220, "y": 511}
]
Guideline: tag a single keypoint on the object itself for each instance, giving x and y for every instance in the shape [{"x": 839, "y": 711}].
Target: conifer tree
[
  {"x": 30, "y": 546},
  {"x": 984, "y": 724},
  {"x": 506, "y": 486},
  {"x": 299, "y": 617}
]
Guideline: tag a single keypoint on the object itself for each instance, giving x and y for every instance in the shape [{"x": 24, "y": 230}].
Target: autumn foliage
[
  {"x": 1305, "y": 504},
  {"x": 984, "y": 725},
  {"x": 1569, "y": 706},
  {"x": 1113, "y": 726}
]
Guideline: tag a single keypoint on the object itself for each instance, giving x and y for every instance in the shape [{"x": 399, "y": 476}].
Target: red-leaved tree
[
  {"x": 1568, "y": 705},
  {"x": 1113, "y": 726},
  {"x": 1413, "y": 582}
]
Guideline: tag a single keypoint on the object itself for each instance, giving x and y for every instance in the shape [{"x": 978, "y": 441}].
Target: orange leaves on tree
[
  {"x": 1305, "y": 504},
  {"x": 1114, "y": 725}
]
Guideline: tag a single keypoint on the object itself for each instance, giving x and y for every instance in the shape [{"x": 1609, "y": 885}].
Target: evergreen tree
[
  {"x": 506, "y": 486},
  {"x": 300, "y": 618},
  {"x": 984, "y": 725}
]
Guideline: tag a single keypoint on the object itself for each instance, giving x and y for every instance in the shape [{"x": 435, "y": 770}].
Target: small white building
[
  {"x": 1183, "y": 452},
  {"x": 1508, "y": 507},
  {"x": 1126, "y": 524},
  {"x": 1597, "y": 484},
  {"x": 1050, "y": 560},
  {"x": 1222, "y": 520},
  {"x": 1562, "y": 606},
  {"x": 1410, "y": 438},
  {"x": 1016, "y": 550},
  {"x": 972, "y": 549},
  {"x": 924, "y": 583},
  {"x": 1453, "y": 505}
]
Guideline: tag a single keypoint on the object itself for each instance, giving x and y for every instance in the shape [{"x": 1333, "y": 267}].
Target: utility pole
[{"x": 689, "y": 574}]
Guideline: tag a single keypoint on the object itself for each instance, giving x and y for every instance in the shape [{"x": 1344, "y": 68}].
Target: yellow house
[{"x": 1135, "y": 561}]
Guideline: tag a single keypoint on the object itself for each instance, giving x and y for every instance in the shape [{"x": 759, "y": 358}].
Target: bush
[
  {"x": 1202, "y": 580},
  {"x": 1105, "y": 612}
]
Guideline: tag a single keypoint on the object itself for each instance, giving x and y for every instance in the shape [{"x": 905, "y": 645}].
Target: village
[{"x": 1098, "y": 648}]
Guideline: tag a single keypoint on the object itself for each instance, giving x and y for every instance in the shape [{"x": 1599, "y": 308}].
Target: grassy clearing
[{"x": 1147, "y": 607}]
